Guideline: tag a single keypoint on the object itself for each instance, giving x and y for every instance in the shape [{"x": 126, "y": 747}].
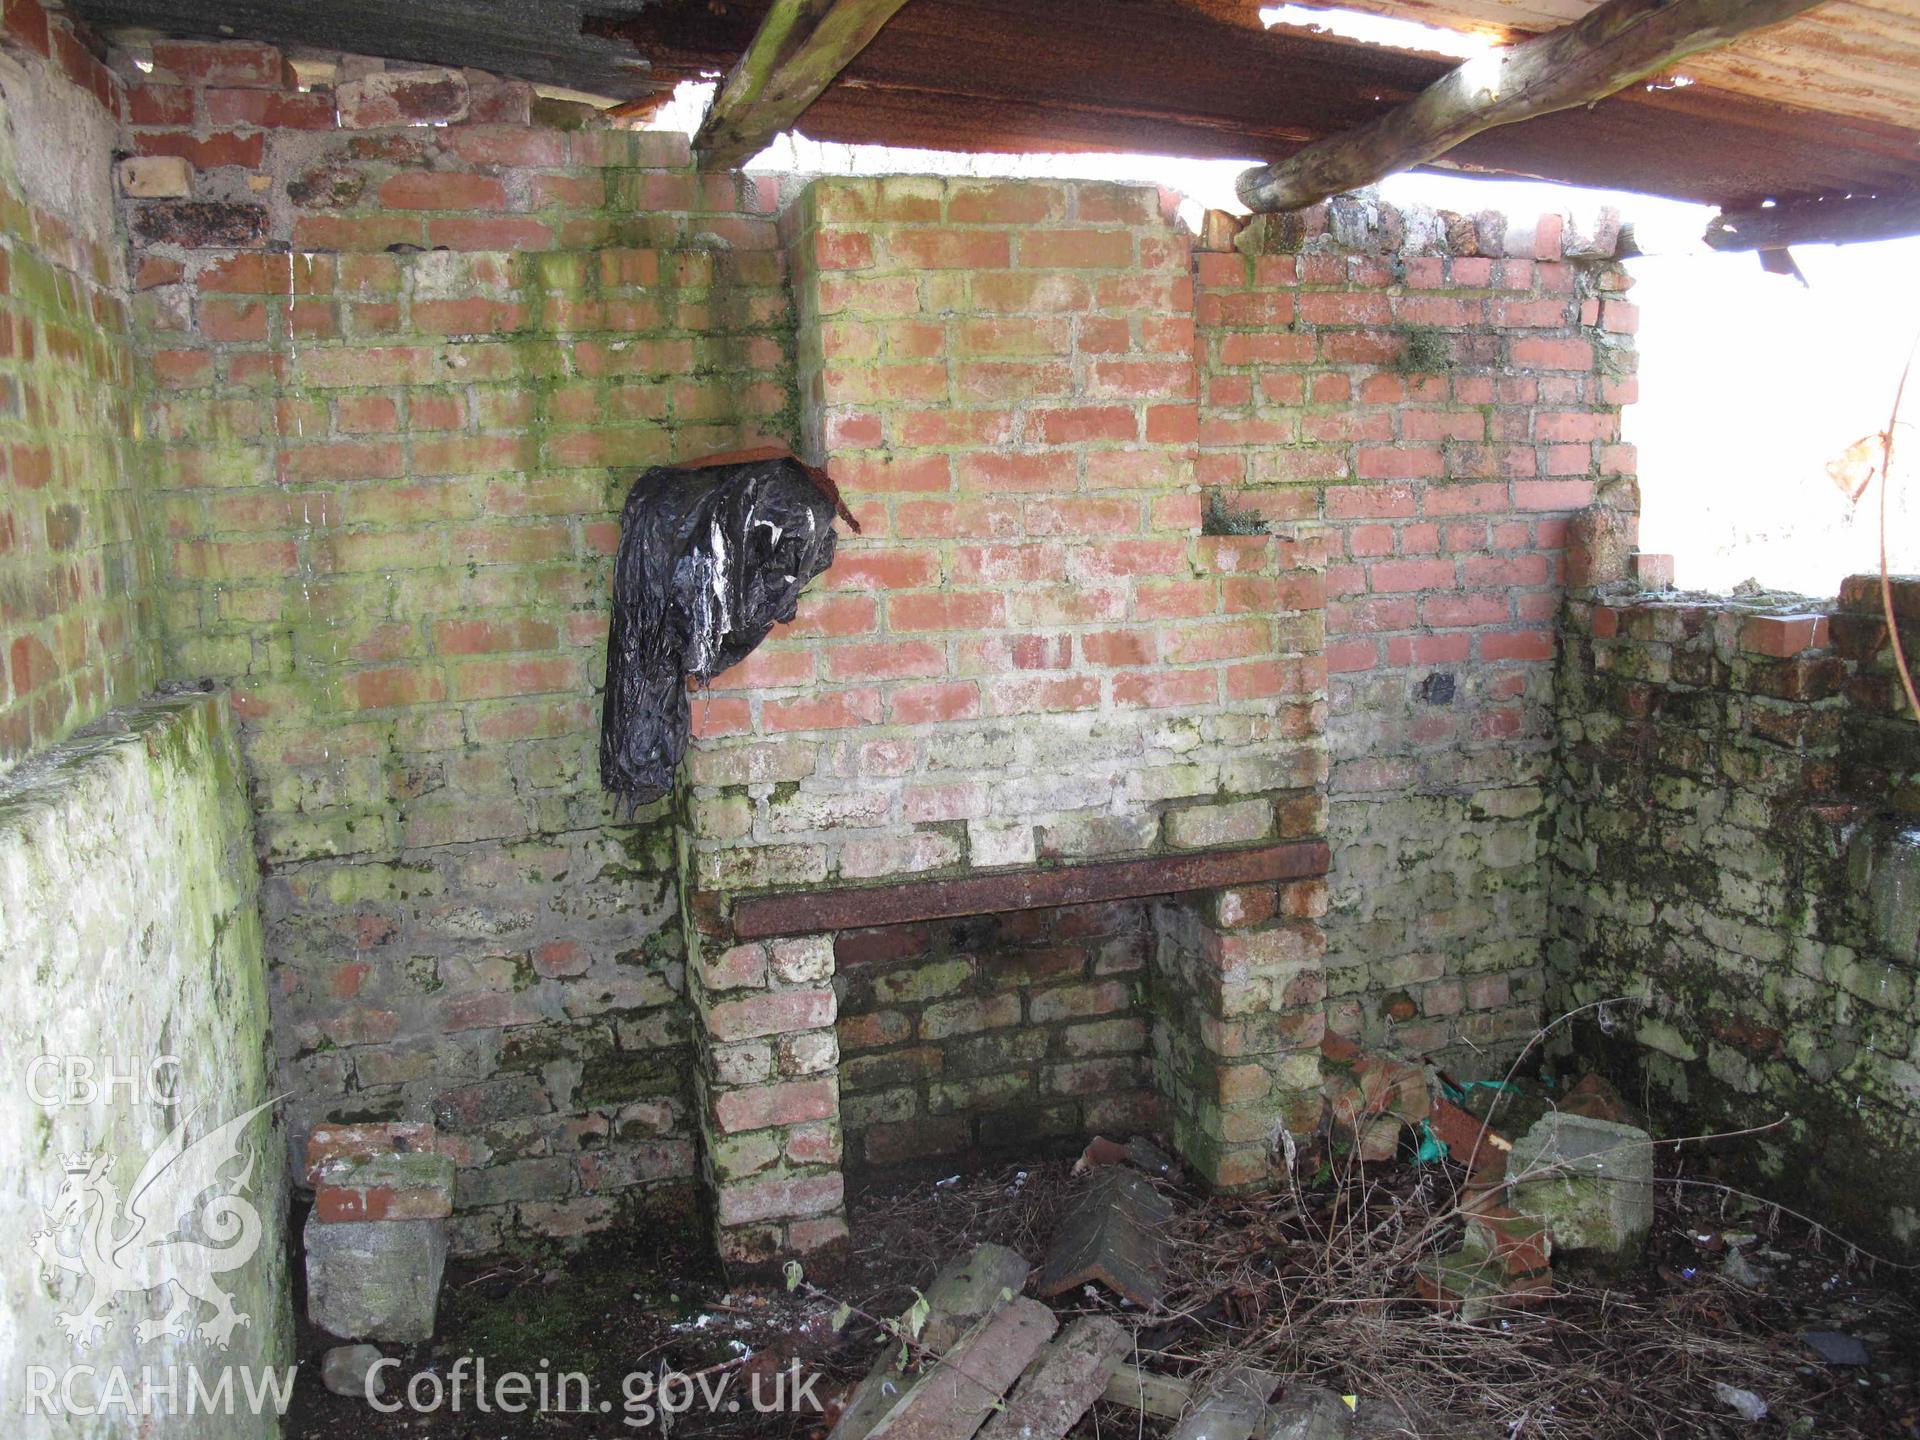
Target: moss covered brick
[{"x": 391, "y": 439}]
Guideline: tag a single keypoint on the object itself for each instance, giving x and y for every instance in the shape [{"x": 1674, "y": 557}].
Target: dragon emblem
[{"x": 139, "y": 1246}]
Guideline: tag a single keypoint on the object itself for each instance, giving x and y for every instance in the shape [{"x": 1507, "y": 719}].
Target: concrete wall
[{"x": 130, "y": 932}]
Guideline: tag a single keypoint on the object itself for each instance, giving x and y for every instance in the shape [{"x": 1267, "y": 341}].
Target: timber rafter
[
  {"x": 1612, "y": 47},
  {"x": 799, "y": 50}
]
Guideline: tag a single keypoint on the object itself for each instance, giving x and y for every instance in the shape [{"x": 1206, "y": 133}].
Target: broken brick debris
[
  {"x": 1063, "y": 1383},
  {"x": 965, "y": 1385}
]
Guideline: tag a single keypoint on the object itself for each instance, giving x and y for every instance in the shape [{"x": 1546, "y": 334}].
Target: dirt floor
[{"x": 1308, "y": 1283}]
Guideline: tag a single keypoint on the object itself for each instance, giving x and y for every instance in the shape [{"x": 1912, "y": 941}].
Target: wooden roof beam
[
  {"x": 1613, "y": 46},
  {"x": 1831, "y": 220},
  {"x": 800, "y": 49}
]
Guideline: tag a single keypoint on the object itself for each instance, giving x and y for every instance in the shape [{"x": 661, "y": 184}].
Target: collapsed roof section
[{"x": 1203, "y": 78}]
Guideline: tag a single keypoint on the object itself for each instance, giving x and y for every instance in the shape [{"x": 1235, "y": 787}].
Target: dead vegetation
[{"x": 1313, "y": 1284}]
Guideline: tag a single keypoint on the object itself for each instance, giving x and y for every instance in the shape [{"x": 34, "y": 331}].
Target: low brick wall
[
  {"x": 1736, "y": 851},
  {"x": 994, "y": 1034},
  {"x": 129, "y": 932}
]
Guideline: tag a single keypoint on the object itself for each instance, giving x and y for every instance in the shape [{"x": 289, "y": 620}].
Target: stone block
[
  {"x": 156, "y": 177},
  {"x": 344, "y": 1369},
  {"x": 1589, "y": 1182},
  {"x": 1201, "y": 826},
  {"x": 375, "y": 1279}
]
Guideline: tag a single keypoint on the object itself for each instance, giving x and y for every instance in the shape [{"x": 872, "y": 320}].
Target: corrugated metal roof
[
  {"x": 1208, "y": 78},
  {"x": 1848, "y": 57}
]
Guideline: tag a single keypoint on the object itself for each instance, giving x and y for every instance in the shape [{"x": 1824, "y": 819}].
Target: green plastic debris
[{"x": 1431, "y": 1147}]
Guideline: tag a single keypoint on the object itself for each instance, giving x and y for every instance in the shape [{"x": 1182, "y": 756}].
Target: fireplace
[{"x": 1015, "y": 833}]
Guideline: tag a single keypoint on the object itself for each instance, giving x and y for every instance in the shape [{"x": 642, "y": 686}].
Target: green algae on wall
[
  {"x": 129, "y": 923},
  {"x": 1733, "y": 775},
  {"x": 79, "y": 634}
]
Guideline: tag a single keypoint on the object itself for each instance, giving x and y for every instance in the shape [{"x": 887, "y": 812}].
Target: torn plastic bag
[{"x": 711, "y": 557}]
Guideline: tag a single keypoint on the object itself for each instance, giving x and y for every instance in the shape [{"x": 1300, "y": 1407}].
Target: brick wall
[
  {"x": 992, "y": 1034},
  {"x": 1738, "y": 847},
  {"x": 1030, "y": 652},
  {"x": 408, "y": 345},
  {"x": 407, "y": 341},
  {"x": 1033, "y": 653},
  {"x": 1437, "y": 394},
  {"x": 79, "y": 636}
]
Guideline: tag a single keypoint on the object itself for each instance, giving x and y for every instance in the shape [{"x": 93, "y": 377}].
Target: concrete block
[
  {"x": 375, "y": 1279},
  {"x": 1589, "y": 1182}
]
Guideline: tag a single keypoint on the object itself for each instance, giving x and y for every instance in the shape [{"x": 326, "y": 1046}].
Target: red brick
[
  {"x": 907, "y": 659},
  {"x": 779, "y": 1012},
  {"x": 498, "y": 679},
  {"x": 831, "y": 710},
  {"x": 268, "y": 109},
  {"x": 1392, "y": 576},
  {"x": 1063, "y": 249},
  {"x": 410, "y": 98},
  {"x": 503, "y": 233},
  {"x": 222, "y": 147},
  {"x": 158, "y": 104},
  {"x": 1516, "y": 645},
  {"x": 1373, "y": 502},
  {"x": 1781, "y": 636},
  {"x": 1118, "y": 647},
  {"x": 232, "y": 63},
  {"x": 1005, "y": 203},
  {"x": 1042, "y": 694},
  {"x": 932, "y": 249},
  {"x": 1165, "y": 688},
  {"x": 961, "y": 610},
  {"x": 480, "y": 637},
  {"x": 792, "y": 1103},
  {"x": 26, "y": 22},
  {"x": 442, "y": 190},
  {"x": 399, "y": 685},
  {"x": 1068, "y": 427},
  {"x": 929, "y": 704},
  {"x": 1543, "y": 354},
  {"x": 1552, "y": 494},
  {"x": 1405, "y": 463}
]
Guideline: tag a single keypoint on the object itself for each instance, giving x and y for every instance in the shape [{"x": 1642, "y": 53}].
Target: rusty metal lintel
[{"x": 812, "y": 912}]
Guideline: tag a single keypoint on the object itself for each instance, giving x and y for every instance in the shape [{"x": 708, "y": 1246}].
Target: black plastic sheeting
[{"x": 710, "y": 560}]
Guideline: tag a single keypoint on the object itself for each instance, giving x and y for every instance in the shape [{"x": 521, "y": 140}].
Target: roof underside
[{"x": 1191, "y": 77}]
